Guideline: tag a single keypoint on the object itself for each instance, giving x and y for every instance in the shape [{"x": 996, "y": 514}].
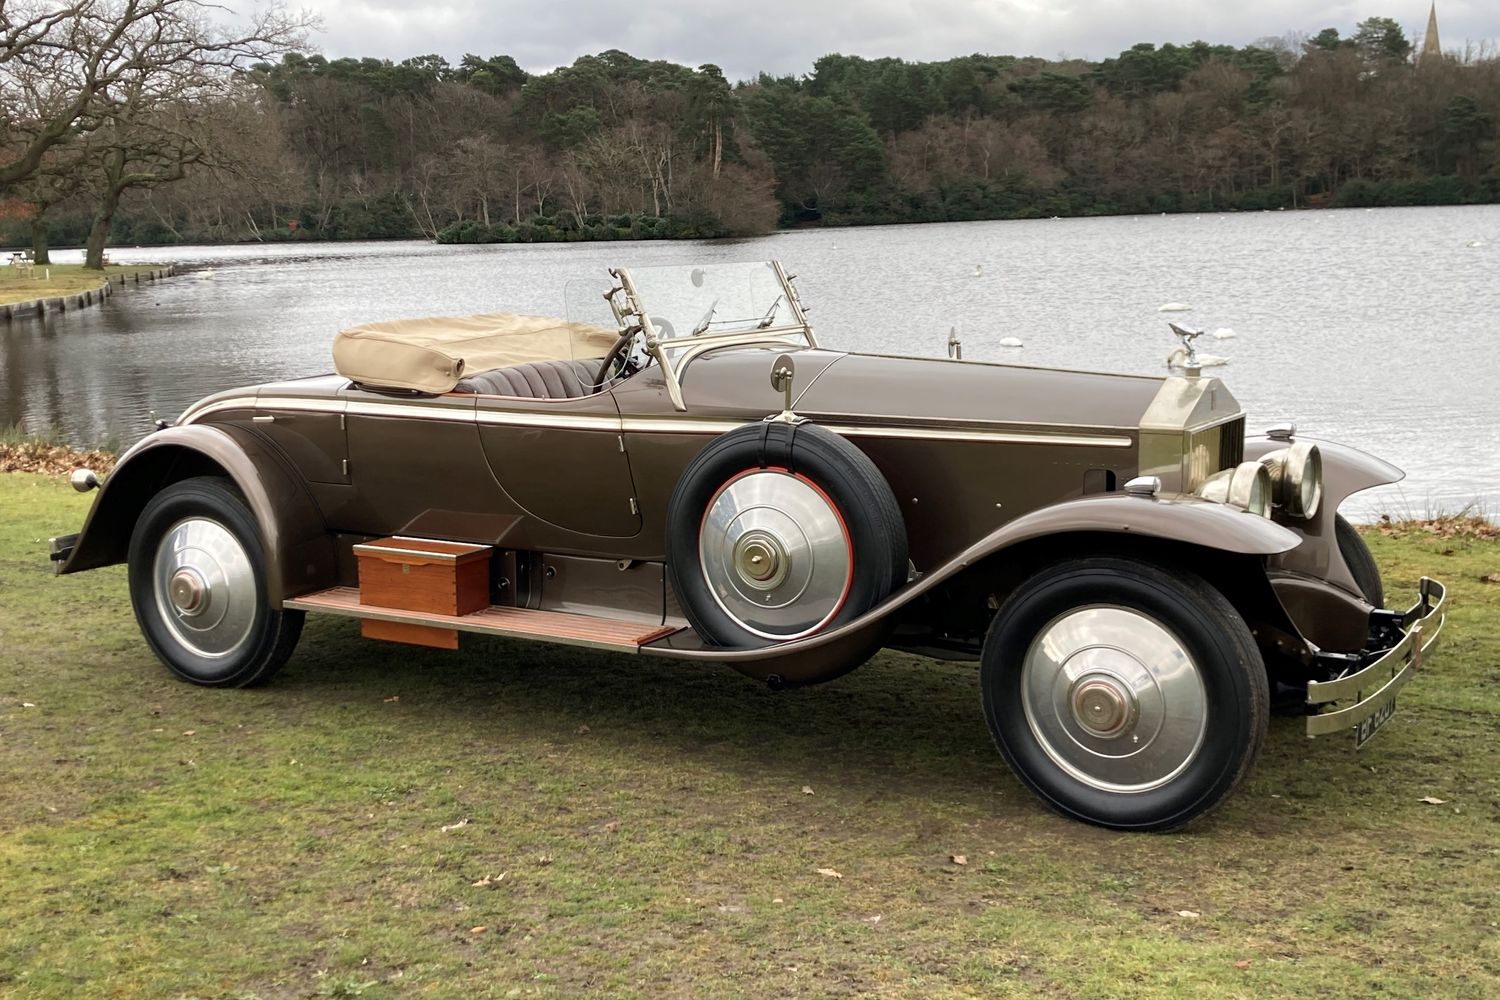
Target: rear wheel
[
  {"x": 197, "y": 584},
  {"x": 1124, "y": 694}
]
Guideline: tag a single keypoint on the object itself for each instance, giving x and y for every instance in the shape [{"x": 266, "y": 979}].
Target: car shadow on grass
[{"x": 900, "y": 724}]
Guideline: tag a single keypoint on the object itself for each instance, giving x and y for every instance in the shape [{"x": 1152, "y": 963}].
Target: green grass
[
  {"x": 51, "y": 280},
  {"x": 650, "y": 824}
]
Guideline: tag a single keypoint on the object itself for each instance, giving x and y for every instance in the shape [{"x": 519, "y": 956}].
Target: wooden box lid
[{"x": 421, "y": 550}]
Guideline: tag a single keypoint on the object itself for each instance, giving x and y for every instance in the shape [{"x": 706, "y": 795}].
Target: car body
[{"x": 1136, "y": 575}]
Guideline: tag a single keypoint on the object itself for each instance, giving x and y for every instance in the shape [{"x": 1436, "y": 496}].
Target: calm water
[{"x": 1376, "y": 328}]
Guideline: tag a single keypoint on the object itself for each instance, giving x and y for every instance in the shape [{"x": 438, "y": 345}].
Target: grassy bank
[
  {"x": 518, "y": 820},
  {"x": 58, "y": 279}
]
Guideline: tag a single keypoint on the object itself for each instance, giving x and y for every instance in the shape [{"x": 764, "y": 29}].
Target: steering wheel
[
  {"x": 623, "y": 359},
  {"x": 617, "y": 361}
]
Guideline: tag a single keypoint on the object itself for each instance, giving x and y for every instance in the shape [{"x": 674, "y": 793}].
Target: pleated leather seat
[{"x": 536, "y": 380}]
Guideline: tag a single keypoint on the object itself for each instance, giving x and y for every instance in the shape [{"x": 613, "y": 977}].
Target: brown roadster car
[{"x": 679, "y": 469}]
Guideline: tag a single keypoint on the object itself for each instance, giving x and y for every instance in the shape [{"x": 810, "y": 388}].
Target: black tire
[
  {"x": 1359, "y": 560},
  {"x": 267, "y": 637},
  {"x": 848, "y": 480},
  {"x": 1191, "y": 613}
]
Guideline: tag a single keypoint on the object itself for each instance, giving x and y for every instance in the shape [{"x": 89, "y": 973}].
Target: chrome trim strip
[
  {"x": 1387, "y": 675},
  {"x": 656, "y": 425},
  {"x": 567, "y": 421},
  {"x": 998, "y": 437}
]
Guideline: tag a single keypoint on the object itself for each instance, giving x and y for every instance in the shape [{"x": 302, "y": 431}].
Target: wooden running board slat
[{"x": 519, "y": 623}]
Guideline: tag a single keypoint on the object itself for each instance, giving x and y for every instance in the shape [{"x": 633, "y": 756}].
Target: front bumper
[{"x": 1370, "y": 692}]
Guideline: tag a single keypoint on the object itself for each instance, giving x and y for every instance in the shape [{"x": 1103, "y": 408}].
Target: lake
[{"x": 1372, "y": 327}]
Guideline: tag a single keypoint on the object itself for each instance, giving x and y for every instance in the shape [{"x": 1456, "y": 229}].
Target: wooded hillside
[{"x": 619, "y": 147}]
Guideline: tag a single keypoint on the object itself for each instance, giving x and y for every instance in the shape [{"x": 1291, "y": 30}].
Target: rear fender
[
  {"x": 299, "y": 551},
  {"x": 1173, "y": 519}
]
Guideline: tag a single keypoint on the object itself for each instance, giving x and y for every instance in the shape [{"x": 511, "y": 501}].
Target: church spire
[{"x": 1431, "y": 47}]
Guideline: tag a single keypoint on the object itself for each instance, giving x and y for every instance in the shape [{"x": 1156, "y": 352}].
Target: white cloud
[{"x": 785, "y": 36}]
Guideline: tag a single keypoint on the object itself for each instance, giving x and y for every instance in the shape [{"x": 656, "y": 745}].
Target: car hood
[{"x": 881, "y": 389}]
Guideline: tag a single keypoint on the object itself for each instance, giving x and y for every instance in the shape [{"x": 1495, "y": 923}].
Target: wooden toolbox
[{"x": 425, "y": 575}]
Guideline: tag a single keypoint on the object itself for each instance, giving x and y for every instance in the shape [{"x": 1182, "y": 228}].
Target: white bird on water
[
  {"x": 1011, "y": 342},
  {"x": 1212, "y": 360},
  {"x": 978, "y": 270},
  {"x": 1174, "y": 307},
  {"x": 1223, "y": 333}
]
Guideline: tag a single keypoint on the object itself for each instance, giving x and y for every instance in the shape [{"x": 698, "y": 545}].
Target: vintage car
[{"x": 679, "y": 469}]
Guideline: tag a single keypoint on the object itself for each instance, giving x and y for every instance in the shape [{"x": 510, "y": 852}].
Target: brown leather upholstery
[{"x": 536, "y": 380}]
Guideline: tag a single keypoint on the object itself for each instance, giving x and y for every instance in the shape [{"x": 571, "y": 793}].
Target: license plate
[{"x": 1369, "y": 727}]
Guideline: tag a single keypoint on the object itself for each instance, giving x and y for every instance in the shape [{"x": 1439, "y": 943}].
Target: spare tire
[{"x": 778, "y": 531}]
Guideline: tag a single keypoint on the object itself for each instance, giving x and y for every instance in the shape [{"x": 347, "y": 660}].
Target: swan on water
[
  {"x": 1174, "y": 307},
  {"x": 978, "y": 270},
  {"x": 1011, "y": 342},
  {"x": 1223, "y": 333}
]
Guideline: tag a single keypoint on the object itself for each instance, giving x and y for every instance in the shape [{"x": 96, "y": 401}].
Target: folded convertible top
[{"x": 431, "y": 355}]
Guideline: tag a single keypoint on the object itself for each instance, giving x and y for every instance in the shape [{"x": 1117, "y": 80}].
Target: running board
[{"x": 514, "y": 623}]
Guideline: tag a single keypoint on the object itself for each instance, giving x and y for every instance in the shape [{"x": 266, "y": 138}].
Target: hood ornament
[{"x": 1185, "y": 357}]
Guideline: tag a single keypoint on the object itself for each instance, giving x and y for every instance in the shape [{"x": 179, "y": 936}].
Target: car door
[{"x": 562, "y": 461}]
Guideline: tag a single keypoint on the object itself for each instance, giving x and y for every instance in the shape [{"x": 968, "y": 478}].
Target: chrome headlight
[
  {"x": 1246, "y": 486},
  {"x": 1296, "y": 478}
]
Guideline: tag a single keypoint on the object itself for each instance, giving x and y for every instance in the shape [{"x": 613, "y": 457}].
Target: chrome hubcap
[
  {"x": 1114, "y": 698},
  {"x": 188, "y": 591},
  {"x": 205, "y": 587},
  {"x": 775, "y": 554}
]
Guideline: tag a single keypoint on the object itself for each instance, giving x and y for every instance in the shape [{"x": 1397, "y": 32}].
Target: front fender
[
  {"x": 1171, "y": 518},
  {"x": 1346, "y": 471},
  {"x": 299, "y": 552}
]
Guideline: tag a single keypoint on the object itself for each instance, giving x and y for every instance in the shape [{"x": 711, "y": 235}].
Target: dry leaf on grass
[
  {"x": 584, "y": 730},
  {"x": 807, "y": 789},
  {"x": 456, "y": 826},
  {"x": 478, "y": 930},
  {"x": 831, "y": 873},
  {"x": 612, "y": 826},
  {"x": 490, "y": 880},
  {"x": 958, "y": 859},
  {"x": 1189, "y": 913},
  {"x": 28, "y": 704},
  {"x": 875, "y": 919},
  {"x": 1490, "y": 578},
  {"x": 393, "y": 698},
  {"x": 1433, "y": 800}
]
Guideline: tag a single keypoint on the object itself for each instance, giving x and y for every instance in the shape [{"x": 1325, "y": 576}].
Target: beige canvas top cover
[{"x": 431, "y": 355}]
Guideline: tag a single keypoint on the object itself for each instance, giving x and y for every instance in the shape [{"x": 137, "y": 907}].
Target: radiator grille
[
  {"x": 1232, "y": 443},
  {"x": 1213, "y": 450}
]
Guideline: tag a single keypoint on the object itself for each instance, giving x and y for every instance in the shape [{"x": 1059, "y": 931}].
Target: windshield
[{"x": 697, "y": 299}]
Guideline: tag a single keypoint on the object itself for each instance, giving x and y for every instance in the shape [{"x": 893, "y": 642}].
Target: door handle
[{"x": 264, "y": 418}]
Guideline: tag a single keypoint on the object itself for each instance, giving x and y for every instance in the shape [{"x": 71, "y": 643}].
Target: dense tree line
[{"x": 614, "y": 146}]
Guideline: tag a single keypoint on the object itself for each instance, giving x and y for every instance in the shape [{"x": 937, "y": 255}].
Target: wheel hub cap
[
  {"x": 205, "y": 587},
  {"x": 1102, "y": 705},
  {"x": 775, "y": 554},
  {"x": 189, "y": 591},
  {"x": 1114, "y": 698}
]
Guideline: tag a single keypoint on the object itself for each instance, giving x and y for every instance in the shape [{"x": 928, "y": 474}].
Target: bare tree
[
  {"x": 59, "y": 61},
  {"x": 149, "y": 122}
]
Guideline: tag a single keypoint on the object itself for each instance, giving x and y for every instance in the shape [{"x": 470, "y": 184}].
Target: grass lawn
[
  {"x": 518, "y": 820},
  {"x": 52, "y": 280}
]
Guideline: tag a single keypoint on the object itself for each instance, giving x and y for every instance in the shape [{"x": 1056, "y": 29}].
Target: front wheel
[
  {"x": 197, "y": 572},
  {"x": 1124, "y": 694}
]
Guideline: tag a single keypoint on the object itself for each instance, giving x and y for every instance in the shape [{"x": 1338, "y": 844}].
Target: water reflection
[{"x": 1373, "y": 328}]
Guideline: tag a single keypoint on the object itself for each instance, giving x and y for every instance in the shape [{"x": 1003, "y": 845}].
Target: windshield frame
[{"x": 632, "y": 315}]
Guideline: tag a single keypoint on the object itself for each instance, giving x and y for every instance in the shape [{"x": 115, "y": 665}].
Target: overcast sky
[{"x": 785, "y": 36}]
